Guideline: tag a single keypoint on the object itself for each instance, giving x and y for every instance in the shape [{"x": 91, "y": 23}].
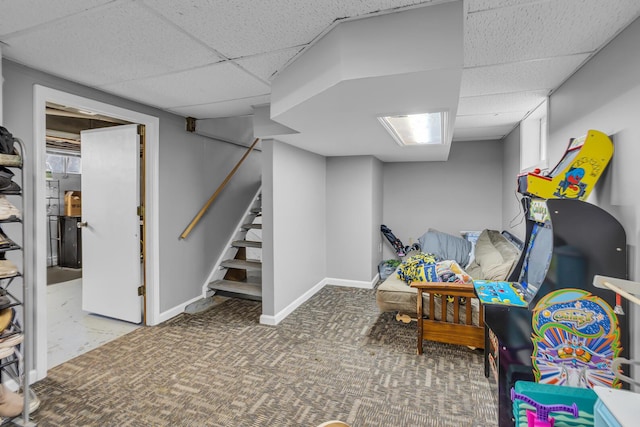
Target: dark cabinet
[{"x": 70, "y": 243}]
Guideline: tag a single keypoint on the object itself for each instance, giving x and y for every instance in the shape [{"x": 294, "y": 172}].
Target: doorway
[
  {"x": 71, "y": 330},
  {"x": 53, "y": 97}
]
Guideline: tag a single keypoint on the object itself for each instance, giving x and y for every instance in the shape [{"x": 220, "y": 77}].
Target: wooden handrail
[{"x": 202, "y": 211}]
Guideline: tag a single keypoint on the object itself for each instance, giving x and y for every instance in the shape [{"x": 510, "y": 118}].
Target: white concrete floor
[{"x": 71, "y": 331}]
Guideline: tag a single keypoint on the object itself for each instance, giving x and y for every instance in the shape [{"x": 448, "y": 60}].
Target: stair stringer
[{"x": 218, "y": 272}]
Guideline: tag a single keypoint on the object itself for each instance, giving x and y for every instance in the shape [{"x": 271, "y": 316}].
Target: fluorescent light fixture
[{"x": 416, "y": 129}]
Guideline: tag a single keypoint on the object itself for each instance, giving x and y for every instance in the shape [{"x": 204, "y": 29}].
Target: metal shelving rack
[{"x": 17, "y": 161}]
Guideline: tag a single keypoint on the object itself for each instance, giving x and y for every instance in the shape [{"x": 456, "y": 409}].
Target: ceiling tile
[
  {"x": 544, "y": 29},
  {"x": 213, "y": 83},
  {"x": 232, "y": 108},
  {"x": 246, "y": 27},
  {"x": 488, "y": 132},
  {"x": 489, "y": 120},
  {"x": 501, "y": 103},
  {"x": 18, "y": 15},
  {"x": 163, "y": 52},
  {"x": 484, "y": 5},
  {"x": 265, "y": 65},
  {"x": 519, "y": 77},
  {"x": 118, "y": 43}
]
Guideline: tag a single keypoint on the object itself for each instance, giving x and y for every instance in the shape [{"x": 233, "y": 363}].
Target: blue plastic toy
[{"x": 541, "y": 418}]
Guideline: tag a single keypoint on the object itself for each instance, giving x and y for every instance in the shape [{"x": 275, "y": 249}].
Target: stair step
[
  {"x": 242, "y": 264},
  {"x": 250, "y": 226},
  {"x": 246, "y": 244},
  {"x": 256, "y": 211},
  {"x": 240, "y": 288}
]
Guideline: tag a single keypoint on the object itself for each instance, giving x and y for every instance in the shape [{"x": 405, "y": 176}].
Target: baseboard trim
[
  {"x": 279, "y": 317},
  {"x": 173, "y": 312},
  {"x": 353, "y": 283}
]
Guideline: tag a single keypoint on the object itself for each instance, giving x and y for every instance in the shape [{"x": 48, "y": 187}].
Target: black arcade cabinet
[{"x": 567, "y": 243}]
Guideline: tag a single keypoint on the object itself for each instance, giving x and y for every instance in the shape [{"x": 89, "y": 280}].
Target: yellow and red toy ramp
[{"x": 576, "y": 173}]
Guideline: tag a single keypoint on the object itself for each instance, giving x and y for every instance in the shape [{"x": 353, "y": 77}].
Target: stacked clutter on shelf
[{"x": 16, "y": 398}]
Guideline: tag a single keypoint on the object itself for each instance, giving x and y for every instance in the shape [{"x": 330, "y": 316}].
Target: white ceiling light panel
[{"x": 416, "y": 129}]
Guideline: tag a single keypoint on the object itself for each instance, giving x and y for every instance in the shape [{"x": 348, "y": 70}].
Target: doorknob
[{"x": 82, "y": 224}]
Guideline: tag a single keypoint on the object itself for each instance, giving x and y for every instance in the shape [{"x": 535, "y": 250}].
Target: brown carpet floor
[{"x": 335, "y": 357}]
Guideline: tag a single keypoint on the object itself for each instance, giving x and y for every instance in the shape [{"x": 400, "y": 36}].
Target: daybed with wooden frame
[
  {"x": 464, "y": 324},
  {"x": 457, "y": 321}
]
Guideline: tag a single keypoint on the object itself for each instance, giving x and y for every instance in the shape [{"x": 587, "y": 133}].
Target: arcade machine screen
[
  {"x": 564, "y": 162},
  {"x": 536, "y": 261}
]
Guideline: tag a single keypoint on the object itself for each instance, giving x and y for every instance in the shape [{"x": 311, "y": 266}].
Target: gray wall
[
  {"x": 463, "y": 193},
  {"x": 350, "y": 217},
  {"x": 322, "y": 218},
  {"x": 295, "y": 181},
  {"x": 268, "y": 286},
  {"x": 377, "y": 183},
  {"x": 605, "y": 95},
  {"x": 190, "y": 169}
]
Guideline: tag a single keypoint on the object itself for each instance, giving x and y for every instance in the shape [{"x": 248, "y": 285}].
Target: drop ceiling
[{"x": 219, "y": 58}]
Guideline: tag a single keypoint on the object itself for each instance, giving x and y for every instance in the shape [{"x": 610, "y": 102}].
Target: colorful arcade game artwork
[
  {"x": 575, "y": 339},
  {"x": 576, "y": 173}
]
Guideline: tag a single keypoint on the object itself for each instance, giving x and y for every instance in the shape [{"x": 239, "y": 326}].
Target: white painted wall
[
  {"x": 605, "y": 95},
  {"x": 350, "y": 217},
  {"x": 512, "y": 215},
  {"x": 464, "y": 193},
  {"x": 295, "y": 228}
]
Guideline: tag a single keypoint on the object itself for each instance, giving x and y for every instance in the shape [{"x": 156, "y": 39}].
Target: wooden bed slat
[
  {"x": 455, "y": 332},
  {"x": 456, "y": 310}
]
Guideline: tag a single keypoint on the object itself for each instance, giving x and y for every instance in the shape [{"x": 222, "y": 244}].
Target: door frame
[{"x": 42, "y": 95}]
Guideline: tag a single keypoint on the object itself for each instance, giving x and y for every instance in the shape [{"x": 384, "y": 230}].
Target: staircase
[{"x": 239, "y": 274}]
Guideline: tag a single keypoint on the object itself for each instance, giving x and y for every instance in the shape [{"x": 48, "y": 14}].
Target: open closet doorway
[
  {"x": 71, "y": 329},
  {"x": 60, "y": 270}
]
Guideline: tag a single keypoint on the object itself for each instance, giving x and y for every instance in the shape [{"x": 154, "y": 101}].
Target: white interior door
[{"x": 111, "y": 265}]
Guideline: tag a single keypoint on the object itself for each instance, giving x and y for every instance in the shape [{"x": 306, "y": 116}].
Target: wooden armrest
[{"x": 453, "y": 289}]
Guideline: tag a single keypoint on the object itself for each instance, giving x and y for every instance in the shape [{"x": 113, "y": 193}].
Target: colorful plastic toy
[{"x": 541, "y": 418}]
